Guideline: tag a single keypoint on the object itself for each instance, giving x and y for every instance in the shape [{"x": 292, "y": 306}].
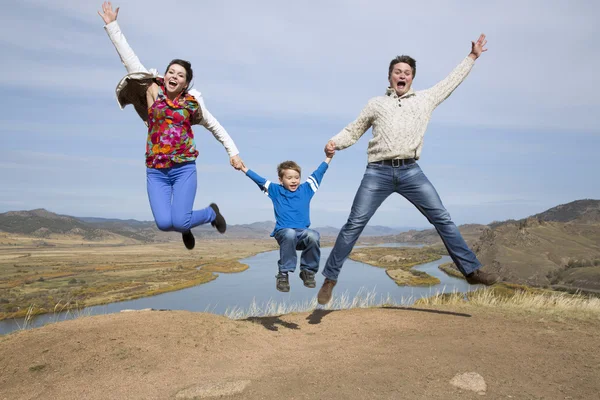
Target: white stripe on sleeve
[{"x": 314, "y": 185}]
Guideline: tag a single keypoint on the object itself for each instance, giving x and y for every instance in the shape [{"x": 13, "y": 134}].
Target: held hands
[
  {"x": 237, "y": 163},
  {"x": 478, "y": 47},
  {"x": 108, "y": 15},
  {"x": 330, "y": 149}
]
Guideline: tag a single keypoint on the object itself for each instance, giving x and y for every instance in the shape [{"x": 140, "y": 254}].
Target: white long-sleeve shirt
[
  {"x": 399, "y": 123},
  {"x": 136, "y": 70}
]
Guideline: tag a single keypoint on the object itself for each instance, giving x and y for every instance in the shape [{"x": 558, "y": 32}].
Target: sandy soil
[{"x": 391, "y": 353}]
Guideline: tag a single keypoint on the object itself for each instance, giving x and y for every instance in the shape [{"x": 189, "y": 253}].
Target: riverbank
[
  {"x": 399, "y": 262},
  {"x": 71, "y": 275}
]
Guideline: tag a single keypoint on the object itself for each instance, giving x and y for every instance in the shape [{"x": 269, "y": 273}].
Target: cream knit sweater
[{"x": 399, "y": 123}]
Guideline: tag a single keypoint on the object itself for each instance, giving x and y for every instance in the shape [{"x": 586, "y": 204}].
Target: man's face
[
  {"x": 290, "y": 179},
  {"x": 401, "y": 78}
]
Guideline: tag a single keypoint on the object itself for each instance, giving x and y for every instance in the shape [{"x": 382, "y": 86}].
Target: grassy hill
[{"x": 557, "y": 248}]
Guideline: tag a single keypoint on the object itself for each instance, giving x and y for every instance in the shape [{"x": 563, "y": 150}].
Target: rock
[
  {"x": 209, "y": 390},
  {"x": 470, "y": 381}
]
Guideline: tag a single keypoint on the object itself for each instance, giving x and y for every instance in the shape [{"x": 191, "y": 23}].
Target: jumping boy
[{"x": 291, "y": 204}]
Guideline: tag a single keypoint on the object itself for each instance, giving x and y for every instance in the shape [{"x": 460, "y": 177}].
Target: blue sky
[{"x": 520, "y": 135}]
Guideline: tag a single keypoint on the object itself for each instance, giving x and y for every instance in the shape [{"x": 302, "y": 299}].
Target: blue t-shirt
[{"x": 292, "y": 209}]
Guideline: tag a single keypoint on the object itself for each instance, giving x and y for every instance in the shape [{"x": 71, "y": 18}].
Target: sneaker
[
  {"x": 188, "y": 240},
  {"x": 482, "y": 277},
  {"x": 308, "y": 277},
  {"x": 283, "y": 283},
  {"x": 219, "y": 221},
  {"x": 326, "y": 291}
]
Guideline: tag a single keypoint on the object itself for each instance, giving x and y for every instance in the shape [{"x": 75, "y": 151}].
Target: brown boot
[
  {"x": 325, "y": 292},
  {"x": 482, "y": 277}
]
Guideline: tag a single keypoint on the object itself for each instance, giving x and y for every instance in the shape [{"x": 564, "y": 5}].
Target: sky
[{"x": 520, "y": 135}]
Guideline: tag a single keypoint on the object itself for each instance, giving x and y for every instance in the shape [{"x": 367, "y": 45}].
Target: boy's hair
[
  {"x": 403, "y": 59},
  {"x": 288, "y": 165}
]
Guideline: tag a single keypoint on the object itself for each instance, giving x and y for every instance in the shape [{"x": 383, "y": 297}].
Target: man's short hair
[
  {"x": 403, "y": 59},
  {"x": 288, "y": 165}
]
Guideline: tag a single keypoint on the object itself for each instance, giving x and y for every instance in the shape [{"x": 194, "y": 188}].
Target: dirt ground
[{"x": 380, "y": 353}]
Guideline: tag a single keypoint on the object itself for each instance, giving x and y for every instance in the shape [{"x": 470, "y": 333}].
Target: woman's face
[{"x": 175, "y": 79}]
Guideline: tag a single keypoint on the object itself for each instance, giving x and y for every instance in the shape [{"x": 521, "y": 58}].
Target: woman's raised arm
[{"x": 128, "y": 58}]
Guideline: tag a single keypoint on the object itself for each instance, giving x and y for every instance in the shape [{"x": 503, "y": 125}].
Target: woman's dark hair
[
  {"x": 189, "y": 74},
  {"x": 403, "y": 59}
]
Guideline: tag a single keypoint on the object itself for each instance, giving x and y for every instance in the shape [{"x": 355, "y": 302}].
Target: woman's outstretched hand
[
  {"x": 236, "y": 162},
  {"x": 478, "y": 47},
  {"x": 108, "y": 15}
]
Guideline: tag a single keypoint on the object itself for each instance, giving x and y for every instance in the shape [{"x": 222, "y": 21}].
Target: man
[{"x": 399, "y": 120}]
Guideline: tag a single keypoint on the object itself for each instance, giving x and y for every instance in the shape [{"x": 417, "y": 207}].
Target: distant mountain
[
  {"x": 470, "y": 232},
  {"x": 44, "y": 223},
  {"x": 581, "y": 211},
  {"x": 370, "y": 230}
]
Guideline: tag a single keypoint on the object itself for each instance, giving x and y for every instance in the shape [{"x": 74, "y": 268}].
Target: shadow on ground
[{"x": 271, "y": 322}]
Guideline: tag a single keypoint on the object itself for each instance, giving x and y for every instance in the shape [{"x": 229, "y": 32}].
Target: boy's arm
[
  {"x": 314, "y": 180},
  {"x": 262, "y": 183}
]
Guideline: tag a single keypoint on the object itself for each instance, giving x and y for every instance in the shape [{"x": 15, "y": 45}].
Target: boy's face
[{"x": 290, "y": 179}]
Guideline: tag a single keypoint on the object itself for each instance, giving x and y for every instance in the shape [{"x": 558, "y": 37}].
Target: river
[{"x": 257, "y": 284}]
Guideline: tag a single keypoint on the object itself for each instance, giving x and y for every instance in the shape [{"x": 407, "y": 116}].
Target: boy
[{"x": 291, "y": 204}]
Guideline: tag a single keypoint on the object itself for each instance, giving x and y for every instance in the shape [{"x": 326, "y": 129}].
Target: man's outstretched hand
[
  {"x": 330, "y": 148},
  {"x": 478, "y": 47},
  {"x": 108, "y": 15}
]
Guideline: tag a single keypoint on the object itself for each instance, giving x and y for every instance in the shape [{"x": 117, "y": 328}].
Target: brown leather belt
[{"x": 396, "y": 162}]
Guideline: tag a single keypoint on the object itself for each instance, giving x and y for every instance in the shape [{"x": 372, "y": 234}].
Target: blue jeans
[
  {"x": 306, "y": 240},
  {"x": 171, "y": 192},
  {"x": 408, "y": 180}
]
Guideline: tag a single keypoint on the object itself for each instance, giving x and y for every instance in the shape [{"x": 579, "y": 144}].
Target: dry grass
[
  {"x": 500, "y": 297},
  {"x": 363, "y": 299},
  {"x": 226, "y": 267},
  {"x": 521, "y": 298}
]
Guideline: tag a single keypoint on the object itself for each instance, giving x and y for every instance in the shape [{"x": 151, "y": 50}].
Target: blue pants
[
  {"x": 409, "y": 181},
  {"x": 306, "y": 240},
  {"x": 171, "y": 192}
]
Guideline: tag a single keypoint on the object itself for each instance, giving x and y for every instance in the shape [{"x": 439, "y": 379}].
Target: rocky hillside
[{"x": 559, "y": 247}]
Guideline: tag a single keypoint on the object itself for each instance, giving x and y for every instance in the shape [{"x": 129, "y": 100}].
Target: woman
[{"x": 169, "y": 109}]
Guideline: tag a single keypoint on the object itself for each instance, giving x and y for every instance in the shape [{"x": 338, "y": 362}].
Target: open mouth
[
  {"x": 172, "y": 84},
  {"x": 401, "y": 85}
]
